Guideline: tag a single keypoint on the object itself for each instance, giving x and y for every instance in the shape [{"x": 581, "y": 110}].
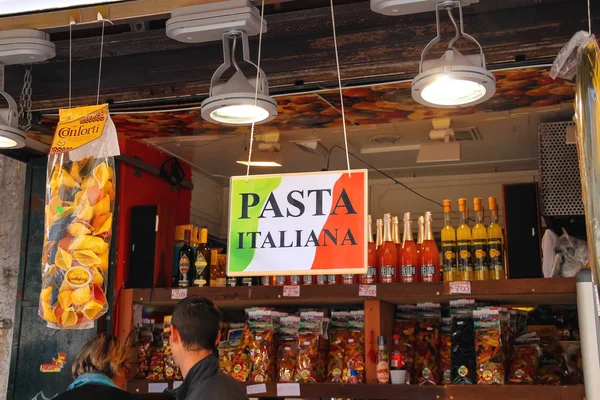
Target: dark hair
[{"x": 197, "y": 321}]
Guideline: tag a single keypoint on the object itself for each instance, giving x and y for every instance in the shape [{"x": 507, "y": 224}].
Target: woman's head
[{"x": 103, "y": 354}]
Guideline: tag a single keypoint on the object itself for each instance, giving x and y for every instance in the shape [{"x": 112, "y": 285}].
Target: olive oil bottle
[
  {"x": 480, "y": 243},
  {"x": 449, "y": 245},
  {"x": 464, "y": 244},
  {"x": 495, "y": 243}
]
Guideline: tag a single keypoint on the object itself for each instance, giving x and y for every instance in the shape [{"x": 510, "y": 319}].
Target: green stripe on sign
[{"x": 240, "y": 259}]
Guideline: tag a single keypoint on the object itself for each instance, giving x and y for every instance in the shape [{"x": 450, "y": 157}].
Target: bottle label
[
  {"x": 307, "y": 280},
  {"x": 295, "y": 279},
  {"x": 280, "y": 280},
  {"x": 265, "y": 281},
  {"x": 231, "y": 282},
  {"x": 347, "y": 279},
  {"x": 396, "y": 361},
  {"x": 480, "y": 255},
  {"x": 247, "y": 281},
  {"x": 428, "y": 273},
  {"x": 370, "y": 276},
  {"x": 495, "y": 255},
  {"x": 331, "y": 279},
  {"x": 408, "y": 273},
  {"x": 388, "y": 272},
  {"x": 449, "y": 252},
  {"x": 383, "y": 371},
  {"x": 464, "y": 256},
  {"x": 321, "y": 279},
  {"x": 184, "y": 267}
]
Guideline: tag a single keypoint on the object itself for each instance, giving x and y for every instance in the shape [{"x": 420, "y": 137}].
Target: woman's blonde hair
[{"x": 103, "y": 354}]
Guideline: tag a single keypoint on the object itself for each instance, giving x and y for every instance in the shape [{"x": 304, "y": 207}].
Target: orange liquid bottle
[
  {"x": 388, "y": 258},
  {"x": 429, "y": 254},
  {"x": 408, "y": 259},
  {"x": 371, "y": 275}
]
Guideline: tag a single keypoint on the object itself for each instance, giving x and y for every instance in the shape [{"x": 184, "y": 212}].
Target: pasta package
[
  {"x": 308, "y": 366},
  {"x": 406, "y": 328},
  {"x": 427, "y": 350},
  {"x": 80, "y": 197},
  {"x": 338, "y": 340},
  {"x": 262, "y": 346},
  {"x": 491, "y": 361}
]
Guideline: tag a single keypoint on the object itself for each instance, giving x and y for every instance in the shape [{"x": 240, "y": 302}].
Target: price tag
[
  {"x": 291, "y": 291},
  {"x": 157, "y": 387},
  {"x": 288, "y": 389},
  {"x": 176, "y": 384},
  {"x": 367, "y": 290},
  {"x": 460, "y": 287},
  {"x": 178, "y": 294},
  {"x": 255, "y": 389}
]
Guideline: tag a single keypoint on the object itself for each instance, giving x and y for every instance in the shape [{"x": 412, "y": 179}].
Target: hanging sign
[{"x": 298, "y": 224}]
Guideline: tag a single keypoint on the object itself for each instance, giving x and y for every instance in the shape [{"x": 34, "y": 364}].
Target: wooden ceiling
[{"x": 146, "y": 68}]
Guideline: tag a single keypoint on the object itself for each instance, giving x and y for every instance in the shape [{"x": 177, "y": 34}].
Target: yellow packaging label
[{"x": 78, "y": 126}]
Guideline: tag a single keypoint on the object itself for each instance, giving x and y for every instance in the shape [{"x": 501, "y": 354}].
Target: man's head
[{"x": 195, "y": 328}]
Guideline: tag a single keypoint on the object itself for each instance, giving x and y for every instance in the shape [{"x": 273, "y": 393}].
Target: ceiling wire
[
  {"x": 260, "y": 34},
  {"x": 337, "y": 64}
]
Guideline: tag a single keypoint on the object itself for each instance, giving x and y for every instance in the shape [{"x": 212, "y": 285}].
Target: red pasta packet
[
  {"x": 427, "y": 357},
  {"x": 338, "y": 339},
  {"x": 354, "y": 352}
]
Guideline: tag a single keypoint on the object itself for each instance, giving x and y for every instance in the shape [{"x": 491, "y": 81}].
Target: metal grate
[{"x": 560, "y": 187}]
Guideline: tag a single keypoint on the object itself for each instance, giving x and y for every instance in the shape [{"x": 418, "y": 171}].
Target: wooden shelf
[
  {"x": 514, "y": 291},
  {"x": 411, "y": 392}
]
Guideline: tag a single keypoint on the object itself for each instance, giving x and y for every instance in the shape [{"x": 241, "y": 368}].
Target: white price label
[
  {"x": 288, "y": 389},
  {"x": 178, "y": 294},
  {"x": 367, "y": 290},
  {"x": 291, "y": 291},
  {"x": 157, "y": 387},
  {"x": 460, "y": 287},
  {"x": 255, "y": 389}
]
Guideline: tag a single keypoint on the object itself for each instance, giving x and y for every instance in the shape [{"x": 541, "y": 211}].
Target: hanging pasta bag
[{"x": 80, "y": 196}]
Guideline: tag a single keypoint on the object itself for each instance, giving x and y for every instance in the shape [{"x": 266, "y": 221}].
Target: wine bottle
[
  {"x": 202, "y": 260},
  {"x": 430, "y": 256},
  {"x": 388, "y": 258},
  {"x": 408, "y": 260},
  {"x": 371, "y": 275},
  {"x": 186, "y": 255}
]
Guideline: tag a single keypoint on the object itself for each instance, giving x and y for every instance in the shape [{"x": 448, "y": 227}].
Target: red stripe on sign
[{"x": 342, "y": 240}]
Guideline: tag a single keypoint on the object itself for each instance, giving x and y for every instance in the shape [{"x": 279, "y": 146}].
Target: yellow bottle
[
  {"x": 480, "y": 243},
  {"x": 464, "y": 244},
  {"x": 495, "y": 243},
  {"x": 449, "y": 245}
]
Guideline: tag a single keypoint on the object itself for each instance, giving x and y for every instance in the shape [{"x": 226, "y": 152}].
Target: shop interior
[{"x": 156, "y": 66}]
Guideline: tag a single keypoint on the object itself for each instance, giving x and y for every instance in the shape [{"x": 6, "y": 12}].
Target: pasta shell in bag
[{"x": 80, "y": 195}]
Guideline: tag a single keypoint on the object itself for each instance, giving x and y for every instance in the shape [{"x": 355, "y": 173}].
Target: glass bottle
[
  {"x": 186, "y": 255},
  {"x": 371, "y": 276},
  {"x": 408, "y": 259},
  {"x": 429, "y": 254},
  {"x": 202, "y": 260},
  {"x": 464, "y": 243},
  {"x": 379, "y": 235},
  {"x": 420, "y": 231},
  {"x": 480, "y": 243},
  {"x": 388, "y": 258},
  {"x": 495, "y": 243},
  {"x": 396, "y": 234},
  {"x": 383, "y": 362},
  {"x": 307, "y": 279},
  {"x": 449, "y": 245}
]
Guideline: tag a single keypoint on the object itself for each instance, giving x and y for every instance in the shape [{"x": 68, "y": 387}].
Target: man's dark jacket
[{"x": 206, "y": 381}]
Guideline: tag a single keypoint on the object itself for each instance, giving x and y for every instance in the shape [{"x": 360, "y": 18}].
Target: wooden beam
[
  {"x": 86, "y": 15},
  {"x": 299, "y": 47}
]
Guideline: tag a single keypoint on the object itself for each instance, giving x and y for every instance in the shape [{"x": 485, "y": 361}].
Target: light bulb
[
  {"x": 240, "y": 114},
  {"x": 446, "y": 91},
  {"x": 6, "y": 143}
]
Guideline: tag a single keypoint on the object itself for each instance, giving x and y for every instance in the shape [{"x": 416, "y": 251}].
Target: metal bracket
[
  {"x": 9, "y": 115},
  {"x": 460, "y": 33}
]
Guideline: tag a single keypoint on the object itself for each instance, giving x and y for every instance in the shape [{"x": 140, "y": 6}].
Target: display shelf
[
  {"x": 409, "y": 392},
  {"x": 514, "y": 291}
]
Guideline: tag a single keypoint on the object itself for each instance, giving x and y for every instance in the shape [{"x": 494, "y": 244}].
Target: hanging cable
[
  {"x": 70, "y": 56},
  {"x": 337, "y": 64},
  {"x": 260, "y": 33},
  {"x": 233, "y": 60},
  {"x": 382, "y": 173},
  {"x": 589, "y": 17},
  {"x": 100, "y": 66}
]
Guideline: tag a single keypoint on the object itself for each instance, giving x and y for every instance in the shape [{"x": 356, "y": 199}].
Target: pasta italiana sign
[{"x": 298, "y": 224}]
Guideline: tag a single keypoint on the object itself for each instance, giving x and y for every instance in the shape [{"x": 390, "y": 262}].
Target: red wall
[{"x": 145, "y": 190}]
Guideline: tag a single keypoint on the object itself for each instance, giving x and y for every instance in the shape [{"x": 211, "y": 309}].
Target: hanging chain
[{"x": 25, "y": 100}]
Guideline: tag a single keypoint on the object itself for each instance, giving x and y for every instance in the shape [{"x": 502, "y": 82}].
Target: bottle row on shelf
[{"x": 467, "y": 254}]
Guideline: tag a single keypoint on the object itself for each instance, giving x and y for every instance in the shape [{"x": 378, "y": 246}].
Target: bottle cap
[
  {"x": 381, "y": 340},
  {"x": 477, "y": 203},
  {"x": 447, "y": 206},
  {"x": 421, "y": 219},
  {"x": 396, "y": 337},
  {"x": 203, "y": 235},
  {"x": 492, "y": 203},
  {"x": 370, "y": 219},
  {"x": 462, "y": 200},
  {"x": 406, "y": 216}
]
